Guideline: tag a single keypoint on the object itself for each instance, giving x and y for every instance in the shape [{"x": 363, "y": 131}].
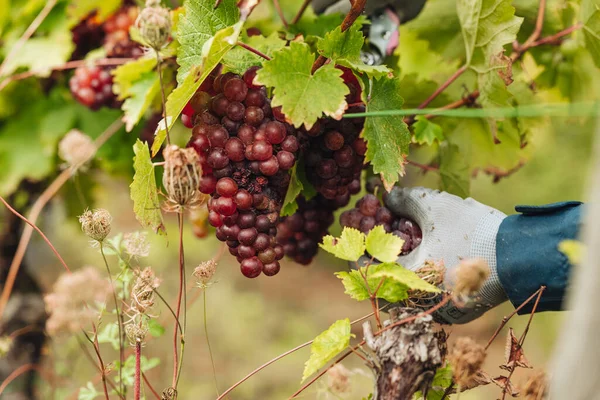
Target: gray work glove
[
  {"x": 453, "y": 229},
  {"x": 406, "y": 9}
]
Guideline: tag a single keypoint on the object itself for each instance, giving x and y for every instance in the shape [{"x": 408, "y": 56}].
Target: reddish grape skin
[
  {"x": 218, "y": 137},
  {"x": 271, "y": 269},
  {"x": 226, "y": 187},
  {"x": 225, "y": 206},
  {"x": 235, "y": 90},
  {"x": 368, "y": 205},
  {"x": 235, "y": 149},
  {"x": 366, "y": 224},
  {"x": 286, "y": 160},
  {"x": 334, "y": 140},
  {"x": 247, "y": 236},
  {"x": 270, "y": 166},
  {"x": 217, "y": 158},
  {"x": 214, "y": 218},
  {"x": 249, "y": 76},
  {"x": 275, "y": 132},
  {"x": 262, "y": 150},
  {"x": 255, "y": 98},
  {"x": 290, "y": 143},
  {"x": 251, "y": 267},
  {"x": 236, "y": 111},
  {"x": 254, "y": 116},
  {"x": 243, "y": 199},
  {"x": 208, "y": 184}
]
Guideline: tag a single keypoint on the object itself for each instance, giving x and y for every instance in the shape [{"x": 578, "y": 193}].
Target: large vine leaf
[
  {"x": 344, "y": 48},
  {"x": 200, "y": 22},
  {"x": 238, "y": 60},
  {"x": 454, "y": 171},
  {"x": 216, "y": 48},
  {"x": 403, "y": 276},
  {"x": 80, "y": 9},
  {"x": 350, "y": 246},
  {"x": 487, "y": 26},
  {"x": 590, "y": 13},
  {"x": 303, "y": 96},
  {"x": 327, "y": 345},
  {"x": 144, "y": 192},
  {"x": 387, "y": 136},
  {"x": 355, "y": 286}
]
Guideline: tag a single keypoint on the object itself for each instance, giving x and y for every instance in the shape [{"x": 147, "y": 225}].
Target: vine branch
[{"x": 301, "y": 11}]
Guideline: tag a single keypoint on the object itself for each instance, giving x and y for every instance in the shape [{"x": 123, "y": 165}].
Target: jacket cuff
[{"x": 527, "y": 253}]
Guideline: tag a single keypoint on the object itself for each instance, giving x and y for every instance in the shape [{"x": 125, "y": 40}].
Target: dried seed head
[
  {"x": 76, "y": 148},
  {"x": 205, "y": 271},
  {"x": 136, "y": 244},
  {"x": 169, "y": 393},
  {"x": 535, "y": 387},
  {"x": 136, "y": 332},
  {"x": 466, "y": 358},
  {"x": 432, "y": 272},
  {"x": 71, "y": 301},
  {"x": 338, "y": 379},
  {"x": 6, "y": 343},
  {"x": 471, "y": 274},
  {"x": 154, "y": 23},
  {"x": 96, "y": 224},
  {"x": 142, "y": 292},
  {"x": 181, "y": 176}
]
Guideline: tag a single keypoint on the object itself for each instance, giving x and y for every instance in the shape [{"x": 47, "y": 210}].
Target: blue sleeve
[{"x": 528, "y": 256}]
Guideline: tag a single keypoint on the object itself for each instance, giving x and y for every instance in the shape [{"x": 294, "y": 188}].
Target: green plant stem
[
  {"x": 162, "y": 93},
  {"x": 210, "y": 353},
  {"x": 121, "y": 347}
]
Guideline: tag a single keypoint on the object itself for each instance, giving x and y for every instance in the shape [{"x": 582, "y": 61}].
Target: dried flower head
[
  {"x": 71, "y": 302},
  {"x": 205, "y": 271},
  {"x": 338, "y": 379},
  {"x": 535, "y": 387},
  {"x": 96, "y": 224},
  {"x": 471, "y": 274},
  {"x": 142, "y": 292},
  {"x": 466, "y": 358},
  {"x": 137, "y": 244},
  {"x": 169, "y": 393},
  {"x": 6, "y": 343},
  {"x": 154, "y": 23},
  {"x": 136, "y": 332},
  {"x": 181, "y": 177},
  {"x": 76, "y": 148}
]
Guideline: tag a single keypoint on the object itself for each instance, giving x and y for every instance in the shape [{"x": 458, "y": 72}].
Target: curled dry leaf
[
  {"x": 513, "y": 353},
  {"x": 504, "y": 382}
]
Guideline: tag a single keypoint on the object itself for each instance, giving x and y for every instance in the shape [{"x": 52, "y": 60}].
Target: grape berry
[{"x": 92, "y": 87}]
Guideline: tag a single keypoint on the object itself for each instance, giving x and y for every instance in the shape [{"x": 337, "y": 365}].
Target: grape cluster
[
  {"x": 117, "y": 42},
  {"x": 92, "y": 87},
  {"x": 246, "y": 151},
  {"x": 301, "y": 232},
  {"x": 87, "y": 35},
  {"x": 369, "y": 212}
]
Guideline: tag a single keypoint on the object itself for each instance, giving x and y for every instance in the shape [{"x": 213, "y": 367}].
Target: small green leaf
[
  {"x": 128, "y": 371},
  {"x": 124, "y": 76},
  {"x": 304, "y": 97},
  {"x": 385, "y": 247},
  {"x": 403, "y": 276},
  {"x": 88, "y": 392},
  {"x": 327, "y": 345},
  {"x": 289, "y": 203},
  {"x": 355, "y": 286},
  {"x": 573, "y": 249},
  {"x": 591, "y": 29},
  {"x": 350, "y": 246},
  {"x": 201, "y": 22},
  {"x": 387, "y": 137},
  {"x": 143, "y": 92},
  {"x": 427, "y": 132},
  {"x": 80, "y": 9},
  {"x": 216, "y": 48},
  {"x": 155, "y": 328},
  {"x": 344, "y": 48},
  {"x": 454, "y": 171},
  {"x": 110, "y": 334},
  {"x": 144, "y": 192},
  {"x": 238, "y": 60}
]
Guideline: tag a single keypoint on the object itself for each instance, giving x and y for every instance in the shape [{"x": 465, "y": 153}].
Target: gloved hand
[
  {"x": 453, "y": 229},
  {"x": 406, "y": 9}
]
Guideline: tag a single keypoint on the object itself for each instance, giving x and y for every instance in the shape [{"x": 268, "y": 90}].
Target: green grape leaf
[
  {"x": 384, "y": 246},
  {"x": 143, "y": 93},
  {"x": 344, "y": 48},
  {"x": 200, "y": 22},
  {"x": 427, "y": 132},
  {"x": 128, "y": 370},
  {"x": 401, "y": 275},
  {"x": 238, "y": 60},
  {"x": 327, "y": 345},
  {"x": 487, "y": 26},
  {"x": 350, "y": 246},
  {"x": 591, "y": 29},
  {"x": 441, "y": 381},
  {"x": 124, "y": 76},
  {"x": 355, "y": 286},
  {"x": 304, "y": 97},
  {"x": 388, "y": 136},
  {"x": 155, "y": 328},
  {"x": 318, "y": 26},
  {"x": 143, "y": 190},
  {"x": 573, "y": 249},
  {"x": 295, "y": 188},
  {"x": 80, "y": 9},
  {"x": 110, "y": 334},
  {"x": 216, "y": 48},
  {"x": 56, "y": 49},
  {"x": 454, "y": 171},
  {"x": 88, "y": 392}
]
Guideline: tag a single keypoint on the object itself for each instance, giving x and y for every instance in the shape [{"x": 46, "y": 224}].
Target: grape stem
[
  {"x": 147, "y": 382},
  {"x": 38, "y": 207},
  {"x": 301, "y": 11},
  {"x": 97, "y": 350},
  {"x": 280, "y": 12},
  {"x": 253, "y": 50},
  {"x": 138, "y": 367},
  {"x": 356, "y": 10}
]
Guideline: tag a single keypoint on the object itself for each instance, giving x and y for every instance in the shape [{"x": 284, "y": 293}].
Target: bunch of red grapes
[
  {"x": 246, "y": 149},
  {"x": 369, "y": 212},
  {"x": 92, "y": 86}
]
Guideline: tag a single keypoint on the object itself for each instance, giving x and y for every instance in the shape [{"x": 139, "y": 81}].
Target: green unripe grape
[{"x": 569, "y": 47}]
